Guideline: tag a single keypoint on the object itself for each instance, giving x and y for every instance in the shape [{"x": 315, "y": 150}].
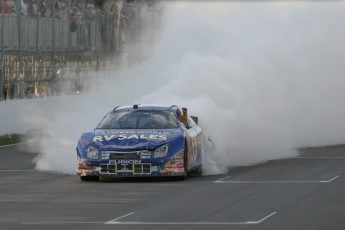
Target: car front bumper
[{"x": 174, "y": 167}]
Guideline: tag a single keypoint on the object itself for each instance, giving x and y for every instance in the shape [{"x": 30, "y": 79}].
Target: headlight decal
[
  {"x": 161, "y": 151},
  {"x": 92, "y": 153}
]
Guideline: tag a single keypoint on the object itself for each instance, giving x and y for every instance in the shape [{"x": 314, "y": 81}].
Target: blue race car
[{"x": 141, "y": 140}]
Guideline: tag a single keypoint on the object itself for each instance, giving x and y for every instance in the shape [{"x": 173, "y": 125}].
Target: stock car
[{"x": 141, "y": 141}]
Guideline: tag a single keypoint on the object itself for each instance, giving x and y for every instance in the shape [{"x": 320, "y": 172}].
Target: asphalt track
[{"x": 306, "y": 192}]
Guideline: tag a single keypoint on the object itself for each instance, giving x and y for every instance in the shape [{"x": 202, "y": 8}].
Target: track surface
[{"x": 307, "y": 192}]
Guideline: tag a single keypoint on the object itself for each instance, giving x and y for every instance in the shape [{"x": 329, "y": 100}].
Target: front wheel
[{"x": 89, "y": 178}]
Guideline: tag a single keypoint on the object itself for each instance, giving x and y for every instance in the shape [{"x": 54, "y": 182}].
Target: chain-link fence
[
  {"x": 43, "y": 53},
  {"x": 47, "y": 34}
]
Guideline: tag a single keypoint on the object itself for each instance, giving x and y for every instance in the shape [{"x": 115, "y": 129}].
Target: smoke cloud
[{"x": 264, "y": 78}]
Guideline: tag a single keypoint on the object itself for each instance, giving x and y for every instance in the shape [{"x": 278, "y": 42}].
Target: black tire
[
  {"x": 197, "y": 172},
  {"x": 89, "y": 178},
  {"x": 184, "y": 177},
  {"x": 185, "y": 159}
]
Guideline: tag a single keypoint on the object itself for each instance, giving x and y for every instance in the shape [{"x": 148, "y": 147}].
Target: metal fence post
[
  {"x": 1, "y": 86},
  {"x": 17, "y": 81},
  {"x": 38, "y": 2},
  {"x": 2, "y": 79},
  {"x": 69, "y": 24},
  {"x": 52, "y": 61}
]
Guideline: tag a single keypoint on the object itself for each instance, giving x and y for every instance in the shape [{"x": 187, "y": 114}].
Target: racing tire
[
  {"x": 89, "y": 178},
  {"x": 197, "y": 172}
]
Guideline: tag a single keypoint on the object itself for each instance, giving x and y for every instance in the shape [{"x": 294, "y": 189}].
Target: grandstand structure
[{"x": 49, "y": 47}]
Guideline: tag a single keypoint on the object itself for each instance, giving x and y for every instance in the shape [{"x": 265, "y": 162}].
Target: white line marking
[
  {"x": 262, "y": 220},
  {"x": 268, "y": 182},
  {"x": 34, "y": 223},
  {"x": 191, "y": 223},
  {"x": 112, "y": 221},
  {"x": 221, "y": 180},
  {"x": 321, "y": 157},
  {"x": 274, "y": 182},
  {"x": 21, "y": 143},
  {"x": 17, "y": 170},
  {"x": 145, "y": 223},
  {"x": 177, "y": 223},
  {"x": 327, "y": 181}
]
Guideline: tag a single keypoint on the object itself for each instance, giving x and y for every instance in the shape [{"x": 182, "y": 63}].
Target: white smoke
[{"x": 264, "y": 78}]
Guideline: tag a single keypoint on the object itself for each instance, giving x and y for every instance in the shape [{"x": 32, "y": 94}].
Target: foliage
[{"x": 10, "y": 139}]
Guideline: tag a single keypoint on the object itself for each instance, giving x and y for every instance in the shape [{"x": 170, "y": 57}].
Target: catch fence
[{"x": 38, "y": 53}]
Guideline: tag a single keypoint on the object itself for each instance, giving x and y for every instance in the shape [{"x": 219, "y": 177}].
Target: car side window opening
[
  {"x": 191, "y": 122},
  {"x": 188, "y": 124},
  {"x": 178, "y": 114}
]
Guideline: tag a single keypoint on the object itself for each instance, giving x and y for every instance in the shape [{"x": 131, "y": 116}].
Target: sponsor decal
[
  {"x": 132, "y": 132},
  {"x": 120, "y": 137},
  {"x": 145, "y": 155},
  {"x": 169, "y": 169},
  {"x": 179, "y": 164},
  {"x": 180, "y": 156},
  {"x": 173, "y": 161},
  {"x": 154, "y": 169},
  {"x": 143, "y": 136},
  {"x": 174, "y": 170},
  {"x": 125, "y": 162}
]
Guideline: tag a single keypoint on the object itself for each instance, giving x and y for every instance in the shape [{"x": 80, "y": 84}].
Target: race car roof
[{"x": 146, "y": 107}]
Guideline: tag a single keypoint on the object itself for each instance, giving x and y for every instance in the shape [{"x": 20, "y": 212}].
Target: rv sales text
[{"x": 128, "y": 137}]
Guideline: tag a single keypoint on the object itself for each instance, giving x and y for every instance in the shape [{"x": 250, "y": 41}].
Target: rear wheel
[
  {"x": 197, "y": 171},
  {"x": 89, "y": 178}
]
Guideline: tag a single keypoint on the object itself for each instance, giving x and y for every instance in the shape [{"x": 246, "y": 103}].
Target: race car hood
[{"x": 128, "y": 139}]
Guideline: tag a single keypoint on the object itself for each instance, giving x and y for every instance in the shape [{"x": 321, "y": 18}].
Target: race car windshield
[{"x": 138, "y": 119}]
